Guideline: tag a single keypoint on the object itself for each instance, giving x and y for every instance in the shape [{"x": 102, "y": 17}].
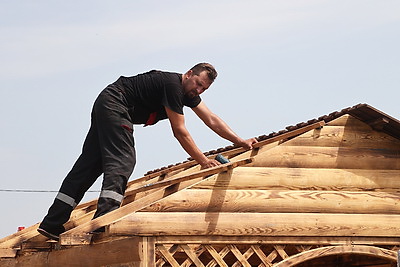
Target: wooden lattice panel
[
  {"x": 224, "y": 255},
  {"x": 265, "y": 255}
]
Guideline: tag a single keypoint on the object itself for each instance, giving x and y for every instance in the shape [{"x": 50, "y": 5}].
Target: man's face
[{"x": 194, "y": 85}]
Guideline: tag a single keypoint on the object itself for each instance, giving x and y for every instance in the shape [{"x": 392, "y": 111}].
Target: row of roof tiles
[{"x": 364, "y": 112}]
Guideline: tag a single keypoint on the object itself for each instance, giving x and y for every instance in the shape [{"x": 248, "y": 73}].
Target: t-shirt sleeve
[
  {"x": 173, "y": 97},
  {"x": 192, "y": 102}
]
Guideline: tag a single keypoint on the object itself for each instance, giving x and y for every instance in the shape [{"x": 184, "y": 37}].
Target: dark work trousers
[{"x": 109, "y": 150}]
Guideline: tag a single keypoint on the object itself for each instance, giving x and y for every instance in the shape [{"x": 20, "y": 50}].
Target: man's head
[
  {"x": 196, "y": 80},
  {"x": 208, "y": 68}
]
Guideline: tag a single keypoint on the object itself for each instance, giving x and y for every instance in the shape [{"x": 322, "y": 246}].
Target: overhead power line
[{"x": 38, "y": 191}]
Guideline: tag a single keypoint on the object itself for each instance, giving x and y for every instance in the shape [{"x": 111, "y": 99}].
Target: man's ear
[{"x": 189, "y": 73}]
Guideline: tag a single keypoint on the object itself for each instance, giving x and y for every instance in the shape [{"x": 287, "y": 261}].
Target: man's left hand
[{"x": 248, "y": 144}]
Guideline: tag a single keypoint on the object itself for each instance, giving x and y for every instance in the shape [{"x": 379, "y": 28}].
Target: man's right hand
[{"x": 209, "y": 164}]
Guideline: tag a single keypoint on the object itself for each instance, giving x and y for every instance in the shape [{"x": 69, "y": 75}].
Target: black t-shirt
[{"x": 147, "y": 94}]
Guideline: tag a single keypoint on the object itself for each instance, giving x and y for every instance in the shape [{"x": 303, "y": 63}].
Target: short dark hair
[{"x": 211, "y": 72}]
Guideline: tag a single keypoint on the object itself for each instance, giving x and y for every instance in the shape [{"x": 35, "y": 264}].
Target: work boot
[{"x": 48, "y": 234}]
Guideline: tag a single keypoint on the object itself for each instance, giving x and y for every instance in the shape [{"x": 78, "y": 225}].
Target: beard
[{"x": 191, "y": 94}]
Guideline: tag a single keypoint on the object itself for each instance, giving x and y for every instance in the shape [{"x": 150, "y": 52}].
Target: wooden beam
[
  {"x": 345, "y": 136},
  {"x": 79, "y": 235},
  {"x": 329, "y": 157},
  {"x": 281, "y": 240},
  {"x": 262, "y": 224},
  {"x": 265, "y": 201},
  {"x": 269, "y": 178}
]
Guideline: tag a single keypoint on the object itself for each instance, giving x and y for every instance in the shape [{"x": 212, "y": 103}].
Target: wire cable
[{"x": 38, "y": 191}]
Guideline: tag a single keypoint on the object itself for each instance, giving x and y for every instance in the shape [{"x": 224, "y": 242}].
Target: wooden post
[
  {"x": 398, "y": 258},
  {"x": 148, "y": 252}
]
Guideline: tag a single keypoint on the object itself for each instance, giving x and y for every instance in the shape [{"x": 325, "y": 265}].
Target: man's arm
[
  {"x": 216, "y": 124},
  {"x": 185, "y": 139}
]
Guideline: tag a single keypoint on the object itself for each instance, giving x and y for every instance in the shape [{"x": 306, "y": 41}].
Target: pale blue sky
[{"x": 279, "y": 63}]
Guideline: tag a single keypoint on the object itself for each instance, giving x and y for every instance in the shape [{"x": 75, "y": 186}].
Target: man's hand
[
  {"x": 248, "y": 144},
  {"x": 209, "y": 163}
]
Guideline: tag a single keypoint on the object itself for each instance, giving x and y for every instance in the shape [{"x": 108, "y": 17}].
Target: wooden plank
[
  {"x": 329, "y": 157},
  {"x": 269, "y": 201},
  {"x": 339, "y": 250},
  {"x": 262, "y": 224},
  {"x": 294, "y": 240},
  {"x": 340, "y": 136},
  {"x": 269, "y": 178},
  {"x": 79, "y": 235}
]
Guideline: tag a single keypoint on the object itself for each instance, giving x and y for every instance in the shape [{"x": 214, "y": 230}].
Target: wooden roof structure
[{"x": 325, "y": 191}]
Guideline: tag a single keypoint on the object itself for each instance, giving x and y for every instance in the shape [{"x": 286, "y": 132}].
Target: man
[{"x": 109, "y": 145}]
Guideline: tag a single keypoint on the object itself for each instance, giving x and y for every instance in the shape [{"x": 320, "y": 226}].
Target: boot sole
[{"x": 48, "y": 234}]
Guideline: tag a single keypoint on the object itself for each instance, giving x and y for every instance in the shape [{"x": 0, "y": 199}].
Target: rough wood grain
[
  {"x": 263, "y": 224},
  {"x": 269, "y": 201},
  {"x": 340, "y": 136},
  {"x": 329, "y": 157},
  {"x": 297, "y": 240},
  {"x": 267, "y": 178}
]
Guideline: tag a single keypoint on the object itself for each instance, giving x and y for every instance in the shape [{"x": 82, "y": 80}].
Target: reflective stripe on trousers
[
  {"x": 112, "y": 195},
  {"x": 66, "y": 199}
]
